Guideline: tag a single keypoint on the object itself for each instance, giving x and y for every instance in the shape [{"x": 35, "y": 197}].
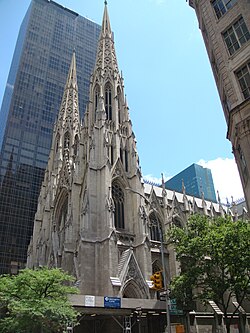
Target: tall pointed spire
[
  {"x": 106, "y": 63},
  {"x": 106, "y": 27},
  {"x": 67, "y": 127},
  {"x": 69, "y": 113},
  {"x": 72, "y": 78}
]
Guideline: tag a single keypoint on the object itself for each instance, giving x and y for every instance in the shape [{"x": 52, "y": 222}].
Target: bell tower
[{"x": 112, "y": 166}]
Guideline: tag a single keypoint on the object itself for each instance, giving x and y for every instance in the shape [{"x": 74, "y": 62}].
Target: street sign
[
  {"x": 173, "y": 307},
  {"x": 112, "y": 302}
]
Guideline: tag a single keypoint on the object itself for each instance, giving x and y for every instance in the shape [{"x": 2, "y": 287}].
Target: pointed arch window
[
  {"x": 118, "y": 198},
  {"x": 121, "y": 155},
  {"x": 97, "y": 95},
  {"x": 66, "y": 144},
  {"x": 108, "y": 101},
  {"x": 119, "y": 103},
  {"x": 112, "y": 154},
  {"x": 157, "y": 267},
  {"x": 126, "y": 159},
  {"x": 76, "y": 145},
  {"x": 154, "y": 230},
  {"x": 66, "y": 141},
  {"x": 61, "y": 220},
  {"x": 62, "y": 216}
]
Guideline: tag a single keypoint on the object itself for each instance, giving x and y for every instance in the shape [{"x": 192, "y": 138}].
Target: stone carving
[
  {"x": 110, "y": 202},
  {"x": 142, "y": 213},
  {"x": 135, "y": 274}
]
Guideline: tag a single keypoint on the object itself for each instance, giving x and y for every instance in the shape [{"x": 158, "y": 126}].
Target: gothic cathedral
[
  {"x": 89, "y": 221},
  {"x": 93, "y": 219}
]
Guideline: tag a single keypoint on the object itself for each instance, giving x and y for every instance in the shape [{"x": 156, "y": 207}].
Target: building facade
[
  {"x": 197, "y": 180},
  {"x": 95, "y": 217},
  {"x": 47, "y": 37},
  {"x": 225, "y": 27}
]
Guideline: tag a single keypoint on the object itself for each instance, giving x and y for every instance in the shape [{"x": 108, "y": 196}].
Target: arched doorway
[{"x": 132, "y": 290}]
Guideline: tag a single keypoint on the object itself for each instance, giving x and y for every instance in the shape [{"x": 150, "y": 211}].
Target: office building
[
  {"x": 48, "y": 35},
  {"x": 225, "y": 27},
  {"x": 198, "y": 181}
]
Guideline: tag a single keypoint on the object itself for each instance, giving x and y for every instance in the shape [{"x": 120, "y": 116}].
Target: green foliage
[
  {"x": 36, "y": 301},
  {"x": 214, "y": 256}
]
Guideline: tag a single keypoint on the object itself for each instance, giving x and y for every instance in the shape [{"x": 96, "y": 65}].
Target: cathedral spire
[
  {"x": 106, "y": 65},
  {"x": 106, "y": 27},
  {"x": 67, "y": 127},
  {"x": 69, "y": 113},
  {"x": 72, "y": 78}
]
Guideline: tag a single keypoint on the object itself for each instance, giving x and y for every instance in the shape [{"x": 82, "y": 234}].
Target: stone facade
[
  {"x": 90, "y": 164},
  {"x": 225, "y": 27},
  {"x": 96, "y": 218}
]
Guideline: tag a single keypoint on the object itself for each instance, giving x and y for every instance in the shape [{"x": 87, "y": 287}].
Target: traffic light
[{"x": 156, "y": 278}]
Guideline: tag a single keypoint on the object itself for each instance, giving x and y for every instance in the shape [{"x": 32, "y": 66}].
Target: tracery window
[
  {"x": 97, "y": 95},
  {"x": 121, "y": 154},
  {"x": 118, "y": 198},
  {"x": 66, "y": 140},
  {"x": 61, "y": 220},
  {"x": 126, "y": 160},
  {"x": 108, "y": 102},
  {"x": 76, "y": 145},
  {"x": 154, "y": 228},
  {"x": 119, "y": 104},
  {"x": 62, "y": 217},
  {"x": 112, "y": 154}
]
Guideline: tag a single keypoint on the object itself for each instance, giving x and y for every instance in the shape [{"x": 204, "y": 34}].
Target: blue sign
[
  {"x": 112, "y": 302},
  {"x": 173, "y": 307}
]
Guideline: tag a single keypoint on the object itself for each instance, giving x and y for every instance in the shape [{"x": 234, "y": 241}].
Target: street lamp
[{"x": 166, "y": 291}]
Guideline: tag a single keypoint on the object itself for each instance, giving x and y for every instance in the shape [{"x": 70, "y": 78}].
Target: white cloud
[
  {"x": 226, "y": 177},
  {"x": 156, "y": 180},
  {"x": 158, "y": 2}
]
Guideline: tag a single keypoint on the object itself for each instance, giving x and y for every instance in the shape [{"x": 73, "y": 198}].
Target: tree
[
  {"x": 36, "y": 301},
  {"x": 214, "y": 255}
]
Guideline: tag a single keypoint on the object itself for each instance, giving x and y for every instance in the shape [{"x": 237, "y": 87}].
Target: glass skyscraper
[
  {"x": 196, "y": 179},
  {"x": 48, "y": 35}
]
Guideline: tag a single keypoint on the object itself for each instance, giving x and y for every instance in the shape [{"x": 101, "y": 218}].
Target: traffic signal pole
[{"x": 164, "y": 273}]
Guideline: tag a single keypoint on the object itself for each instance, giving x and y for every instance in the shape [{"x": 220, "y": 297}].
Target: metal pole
[
  {"x": 138, "y": 310},
  {"x": 168, "y": 328}
]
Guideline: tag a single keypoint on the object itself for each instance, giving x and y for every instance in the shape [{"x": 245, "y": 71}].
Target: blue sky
[{"x": 173, "y": 100}]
